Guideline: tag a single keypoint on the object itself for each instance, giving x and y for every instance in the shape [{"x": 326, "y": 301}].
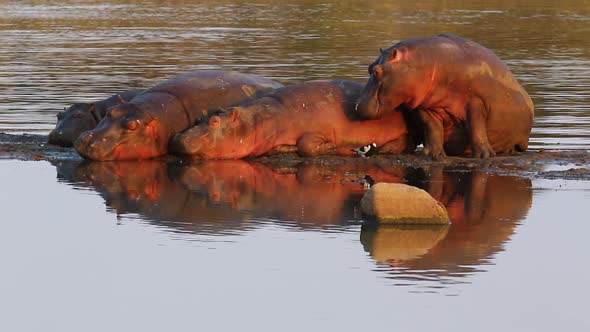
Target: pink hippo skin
[
  {"x": 312, "y": 118},
  {"x": 142, "y": 127},
  {"x": 466, "y": 99}
]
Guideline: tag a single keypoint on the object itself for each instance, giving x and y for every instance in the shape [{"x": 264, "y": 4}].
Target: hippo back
[{"x": 206, "y": 90}]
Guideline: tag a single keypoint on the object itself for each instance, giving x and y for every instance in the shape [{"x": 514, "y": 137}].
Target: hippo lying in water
[
  {"x": 141, "y": 128},
  {"x": 81, "y": 117},
  {"x": 315, "y": 118},
  {"x": 466, "y": 99}
]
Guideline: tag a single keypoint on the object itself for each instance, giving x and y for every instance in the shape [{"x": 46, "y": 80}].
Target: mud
[{"x": 532, "y": 164}]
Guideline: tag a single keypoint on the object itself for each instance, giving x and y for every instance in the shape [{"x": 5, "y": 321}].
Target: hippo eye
[
  {"x": 377, "y": 72},
  {"x": 77, "y": 115},
  {"x": 132, "y": 124}
]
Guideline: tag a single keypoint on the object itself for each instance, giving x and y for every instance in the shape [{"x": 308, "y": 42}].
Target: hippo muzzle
[
  {"x": 368, "y": 105},
  {"x": 92, "y": 146}
]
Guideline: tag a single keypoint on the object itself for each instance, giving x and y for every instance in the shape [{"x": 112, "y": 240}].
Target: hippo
[
  {"x": 142, "y": 127},
  {"x": 466, "y": 100},
  {"x": 312, "y": 118},
  {"x": 80, "y": 117}
]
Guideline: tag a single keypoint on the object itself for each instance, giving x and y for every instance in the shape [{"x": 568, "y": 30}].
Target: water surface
[{"x": 238, "y": 245}]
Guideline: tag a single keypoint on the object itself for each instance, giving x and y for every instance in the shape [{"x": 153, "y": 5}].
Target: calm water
[
  {"x": 235, "y": 245},
  {"x": 220, "y": 246}
]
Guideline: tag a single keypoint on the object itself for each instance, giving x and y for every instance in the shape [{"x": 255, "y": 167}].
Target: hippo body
[
  {"x": 465, "y": 98},
  {"x": 141, "y": 128},
  {"x": 312, "y": 118},
  {"x": 81, "y": 117}
]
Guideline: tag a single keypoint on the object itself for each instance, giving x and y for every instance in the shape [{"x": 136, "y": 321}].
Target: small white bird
[
  {"x": 366, "y": 150},
  {"x": 367, "y": 182}
]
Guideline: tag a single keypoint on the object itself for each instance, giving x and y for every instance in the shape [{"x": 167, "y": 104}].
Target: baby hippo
[{"x": 312, "y": 118}]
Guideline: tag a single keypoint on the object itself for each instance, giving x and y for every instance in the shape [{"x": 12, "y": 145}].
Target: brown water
[
  {"x": 58, "y": 52},
  {"x": 154, "y": 246}
]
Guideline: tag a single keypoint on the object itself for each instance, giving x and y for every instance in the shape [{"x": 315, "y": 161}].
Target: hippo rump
[
  {"x": 312, "y": 118},
  {"x": 466, "y": 100},
  {"x": 142, "y": 127},
  {"x": 80, "y": 117}
]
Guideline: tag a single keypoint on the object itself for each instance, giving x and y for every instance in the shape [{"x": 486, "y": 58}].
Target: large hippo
[
  {"x": 466, "y": 99},
  {"x": 142, "y": 127},
  {"x": 80, "y": 117},
  {"x": 312, "y": 118}
]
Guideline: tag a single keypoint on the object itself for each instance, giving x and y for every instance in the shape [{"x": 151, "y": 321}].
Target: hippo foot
[
  {"x": 434, "y": 154},
  {"x": 483, "y": 151},
  {"x": 312, "y": 144}
]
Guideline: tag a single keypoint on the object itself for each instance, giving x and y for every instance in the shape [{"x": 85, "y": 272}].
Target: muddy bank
[{"x": 571, "y": 164}]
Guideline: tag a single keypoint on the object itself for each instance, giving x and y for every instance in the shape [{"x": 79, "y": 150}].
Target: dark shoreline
[{"x": 573, "y": 164}]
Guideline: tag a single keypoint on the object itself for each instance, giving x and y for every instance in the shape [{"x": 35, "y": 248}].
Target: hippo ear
[
  {"x": 395, "y": 56},
  {"x": 120, "y": 99},
  {"x": 380, "y": 50}
]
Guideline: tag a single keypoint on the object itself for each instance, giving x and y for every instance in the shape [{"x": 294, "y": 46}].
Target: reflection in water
[
  {"x": 484, "y": 209},
  {"x": 55, "y": 53},
  {"x": 214, "y": 192},
  {"x": 235, "y": 196}
]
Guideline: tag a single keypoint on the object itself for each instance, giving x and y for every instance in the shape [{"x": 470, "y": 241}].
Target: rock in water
[{"x": 396, "y": 203}]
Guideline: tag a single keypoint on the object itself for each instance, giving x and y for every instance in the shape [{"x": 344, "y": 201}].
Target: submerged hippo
[
  {"x": 80, "y": 117},
  {"x": 141, "y": 128},
  {"x": 466, "y": 99},
  {"x": 313, "y": 118}
]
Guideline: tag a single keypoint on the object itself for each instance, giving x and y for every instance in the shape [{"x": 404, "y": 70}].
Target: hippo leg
[
  {"x": 312, "y": 144},
  {"x": 480, "y": 146},
  {"x": 475, "y": 203},
  {"x": 433, "y": 135},
  {"x": 435, "y": 185}
]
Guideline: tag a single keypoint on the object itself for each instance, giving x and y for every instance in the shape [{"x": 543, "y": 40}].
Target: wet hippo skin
[
  {"x": 466, "y": 100},
  {"x": 312, "y": 118},
  {"x": 142, "y": 127},
  {"x": 81, "y": 117}
]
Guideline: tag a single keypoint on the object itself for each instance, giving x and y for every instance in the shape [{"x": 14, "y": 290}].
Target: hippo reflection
[
  {"x": 231, "y": 191},
  {"x": 225, "y": 196},
  {"x": 484, "y": 209}
]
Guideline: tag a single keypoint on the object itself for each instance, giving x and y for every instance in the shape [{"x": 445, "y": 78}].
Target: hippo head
[
  {"x": 228, "y": 134},
  {"x": 388, "y": 85},
  {"x": 126, "y": 133},
  {"x": 72, "y": 122}
]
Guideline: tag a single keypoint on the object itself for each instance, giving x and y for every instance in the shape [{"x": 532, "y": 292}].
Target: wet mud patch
[{"x": 533, "y": 164}]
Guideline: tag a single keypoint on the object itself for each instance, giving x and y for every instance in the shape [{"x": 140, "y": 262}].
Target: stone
[{"x": 396, "y": 203}]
